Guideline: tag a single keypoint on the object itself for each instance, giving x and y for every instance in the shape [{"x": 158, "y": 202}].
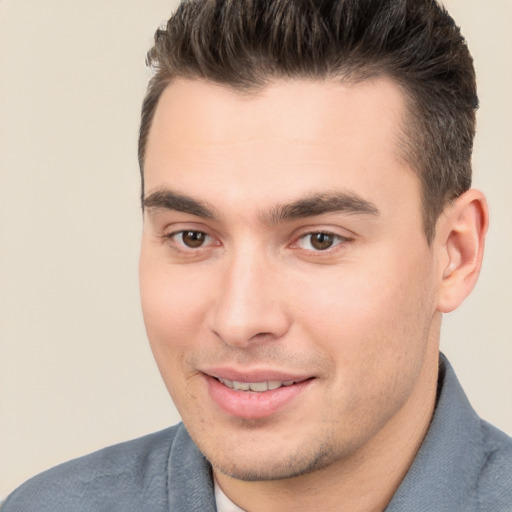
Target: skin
[{"x": 251, "y": 292}]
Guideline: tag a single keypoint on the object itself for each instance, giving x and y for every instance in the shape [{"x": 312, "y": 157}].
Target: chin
[{"x": 272, "y": 466}]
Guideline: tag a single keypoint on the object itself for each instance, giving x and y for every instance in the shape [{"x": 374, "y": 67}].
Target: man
[{"x": 308, "y": 218}]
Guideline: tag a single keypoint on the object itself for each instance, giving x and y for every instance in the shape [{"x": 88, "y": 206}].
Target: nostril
[{"x": 239, "y": 337}]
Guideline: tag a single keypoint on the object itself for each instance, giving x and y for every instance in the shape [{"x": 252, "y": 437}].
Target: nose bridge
[{"x": 247, "y": 305}]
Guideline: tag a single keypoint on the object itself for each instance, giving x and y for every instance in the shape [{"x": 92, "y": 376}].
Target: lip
[{"x": 249, "y": 404}]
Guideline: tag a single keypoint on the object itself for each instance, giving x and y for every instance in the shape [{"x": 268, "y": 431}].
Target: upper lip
[{"x": 254, "y": 375}]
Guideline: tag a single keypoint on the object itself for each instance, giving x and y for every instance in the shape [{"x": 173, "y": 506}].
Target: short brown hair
[{"x": 248, "y": 43}]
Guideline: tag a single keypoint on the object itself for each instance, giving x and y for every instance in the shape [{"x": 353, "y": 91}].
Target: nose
[{"x": 248, "y": 307}]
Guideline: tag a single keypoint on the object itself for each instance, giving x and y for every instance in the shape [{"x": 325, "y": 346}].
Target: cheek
[
  {"x": 349, "y": 306},
  {"x": 371, "y": 319},
  {"x": 172, "y": 308},
  {"x": 171, "y": 297},
  {"x": 374, "y": 330}
]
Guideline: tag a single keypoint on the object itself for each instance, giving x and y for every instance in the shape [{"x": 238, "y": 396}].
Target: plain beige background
[{"x": 76, "y": 372}]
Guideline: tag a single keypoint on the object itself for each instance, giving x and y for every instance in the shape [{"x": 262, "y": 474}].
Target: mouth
[{"x": 255, "y": 397}]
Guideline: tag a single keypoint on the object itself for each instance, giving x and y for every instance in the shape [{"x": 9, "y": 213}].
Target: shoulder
[
  {"x": 494, "y": 488},
  {"x": 482, "y": 452},
  {"x": 120, "y": 477},
  {"x": 463, "y": 464}
]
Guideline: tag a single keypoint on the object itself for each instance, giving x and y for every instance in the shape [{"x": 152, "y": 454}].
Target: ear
[{"x": 459, "y": 243}]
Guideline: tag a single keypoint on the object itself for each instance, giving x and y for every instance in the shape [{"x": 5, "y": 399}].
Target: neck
[{"x": 363, "y": 482}]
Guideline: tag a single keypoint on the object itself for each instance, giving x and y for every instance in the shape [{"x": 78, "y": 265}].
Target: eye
[
  {"x": 191, "y": 239},
  {"x": 319, "y": 241}
]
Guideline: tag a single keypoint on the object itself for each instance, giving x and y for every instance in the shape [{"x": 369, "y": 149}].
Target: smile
[
  {"x": 258, "y": 398},
  {"x": 258, "y": 387}
]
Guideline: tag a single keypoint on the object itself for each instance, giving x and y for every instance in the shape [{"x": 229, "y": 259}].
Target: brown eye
[
  {"x": 321, "y": 241},
  {"x": 193, "y": 239}
]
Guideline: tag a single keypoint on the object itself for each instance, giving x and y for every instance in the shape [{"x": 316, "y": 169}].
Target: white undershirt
[{"x": 224, "y": 504}]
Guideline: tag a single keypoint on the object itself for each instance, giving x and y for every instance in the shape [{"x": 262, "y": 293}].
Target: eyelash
[{"x": 180, "y": 247}]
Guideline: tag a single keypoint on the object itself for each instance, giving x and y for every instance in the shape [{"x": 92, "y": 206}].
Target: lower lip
[{"x": 250, "y": 404}]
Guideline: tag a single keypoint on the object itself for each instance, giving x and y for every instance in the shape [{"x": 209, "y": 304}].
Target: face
[{"x": 287, "y": 287}]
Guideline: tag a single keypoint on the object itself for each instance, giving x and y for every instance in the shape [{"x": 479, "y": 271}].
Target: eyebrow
[
  {"x": 309, "y": 206},
  {"x": 169, "y": 200},
  {"x": 319, "y": 204}
]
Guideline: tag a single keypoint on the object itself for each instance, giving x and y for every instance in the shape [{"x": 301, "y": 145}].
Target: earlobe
[{"x": 460, "y": 238}]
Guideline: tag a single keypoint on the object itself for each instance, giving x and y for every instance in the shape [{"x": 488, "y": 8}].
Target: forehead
[
  {"x": 298, "y": 108},
  {"x": 290, "y": 138}
]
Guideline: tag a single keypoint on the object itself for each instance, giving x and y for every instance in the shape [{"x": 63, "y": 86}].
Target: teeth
[
  {"x": 257, "y": 387},
  {"x": 241, "y": 386},
  {"x": 228, "y": 383}
]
